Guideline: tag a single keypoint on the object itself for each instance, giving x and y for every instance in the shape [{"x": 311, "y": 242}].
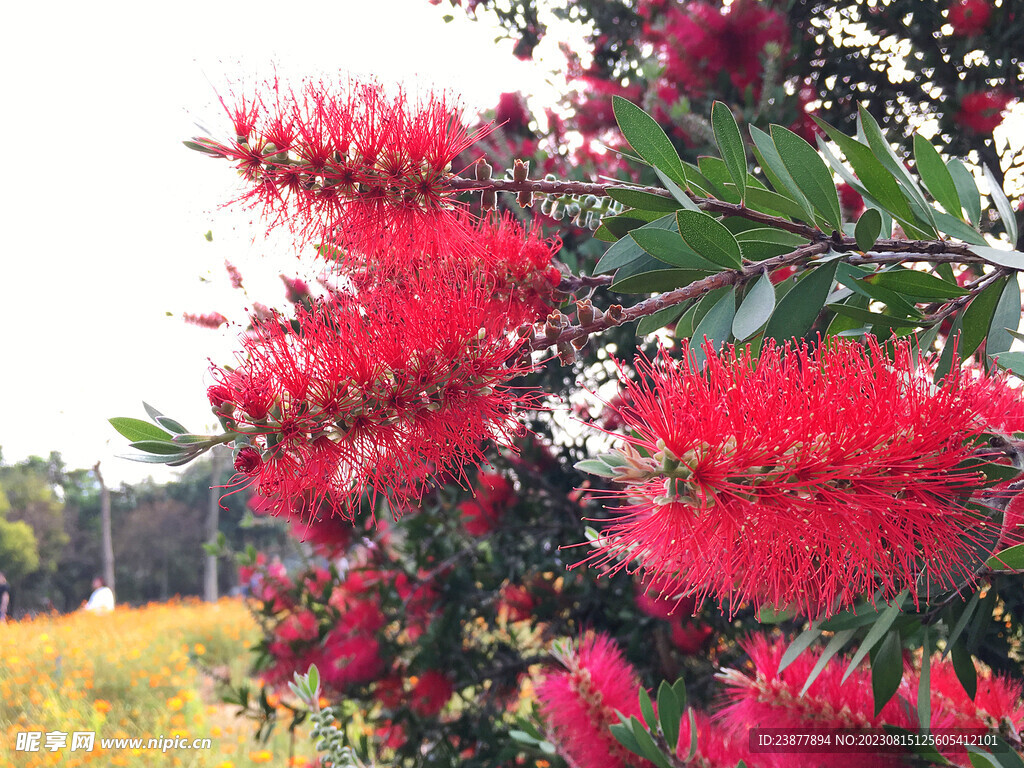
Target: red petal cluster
[
  {"x": 494, "y": 494},
  {"x": 349, "y": 163},
  {"x": 981, "y": 111},
  {"x": 969, "y": 17},
  {"x": 773, "y": 699},
  {"x": 803, "y": 478},
  {"x": 580, "y": 703},
  {"x": 699, "y": 42},
  {"x": 363, "y": 393}
]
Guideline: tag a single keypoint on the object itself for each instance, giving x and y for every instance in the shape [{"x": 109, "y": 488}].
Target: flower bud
[{"x": 248, "y": 461}]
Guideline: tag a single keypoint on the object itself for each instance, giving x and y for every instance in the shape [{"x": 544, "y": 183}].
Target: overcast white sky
[{"x": 104, "y": 211}]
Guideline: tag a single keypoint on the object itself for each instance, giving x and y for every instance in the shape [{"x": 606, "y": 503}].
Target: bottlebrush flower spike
[
  {"x": 579, "y": 703},
  {"x": 361, "y": 395},
  {"x": 804, "y": 478},
  {"x": 349, "y": 164}
]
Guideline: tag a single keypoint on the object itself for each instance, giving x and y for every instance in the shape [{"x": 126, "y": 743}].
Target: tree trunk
[
  {"x": 212, "y": 528},
  {"x": 106, "y": 539}
]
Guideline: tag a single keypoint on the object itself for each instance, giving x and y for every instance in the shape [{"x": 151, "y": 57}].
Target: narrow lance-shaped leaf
[
  {"x": 708, "y": 237},
  {"x": 880, "y": 627},
  {"x": 137, "y": 429},
  {"x": 966, "y": 189},
  {"x": 887, "y": 670},
  {"x": 756, "y": 308},
  {"x": 648, "y": 139},
  {"x": 935, "y": 175},
  {"x": 1002, "y": 205},
  {"x": 730, "y": 144},
  {"x": 868, "y": 228},
  {"x": 796, "y": 311},
  {"x": 810, "y": 174}
]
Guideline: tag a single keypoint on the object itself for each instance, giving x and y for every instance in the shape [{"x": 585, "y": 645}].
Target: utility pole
[
  {"x": 106, "y": 538},
  {"x": 212, "y": 526}
]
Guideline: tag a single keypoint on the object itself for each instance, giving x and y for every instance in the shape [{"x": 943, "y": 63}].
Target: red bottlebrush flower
[
  {"x": 771, "y": 699},
  {"x": 298, "y": 627},
  {"x": 716, "y": 747},
  {"x": 688, "y": 637},
  {"x": 982, "y": 111},
  {"x": 515, "y": 602},
  {"x": 350, "y": 164},
  {"x": 999, "y": 404},
  {"x": 761, "y": 471},
  {"x": 219, "y": 395},
  {"x": 248, "y": 461},
  {"x": 212, "y": 320},
  {"x": 969, "y": 17},
  {"x": 511, "y": 113},
  {"x": 494, "y": 494},
  {"x": 850, "y": 200},
  {"x": 579, "y": 703},
  {"x": 997, "y": 701},
  {"x": 657, "y": 598},
  {"x": 367, "y": 392},
  {"x": 430, "y": 693},
  {"x": 296, "y": 290},
  {"x": 347, "y": 660},
  {"x": 699, "y": 41}
]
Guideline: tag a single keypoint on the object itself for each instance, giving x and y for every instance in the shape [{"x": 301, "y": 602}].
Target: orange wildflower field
[{"x": 133, "y": 675}]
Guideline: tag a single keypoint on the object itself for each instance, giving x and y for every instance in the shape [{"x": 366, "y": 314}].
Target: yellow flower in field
[
  {"x": 199, "y": 649},
  {"x": 216, "y": 732},
  {"x": 273, "y": 700},
  {"x": 102, "y": 706},
  {"x": 175, "y": 703},
  {"x": 226, "y": 764},
  {"x": 263, "y": 756}
]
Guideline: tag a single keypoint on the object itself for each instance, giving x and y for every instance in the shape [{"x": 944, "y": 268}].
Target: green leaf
[
  {"x": 883, "y": 152},
  {"x": 716, "y": 171},
  {"x": 869, "y": 227},
  {"x": 880, "y": 627},
  {"x": 693, "y": 736},
  {"x": 648, "y": 139},
  {"x": 771, "y": 163},
  {"x": 669, "y": 714},
  {"x": 796, "y": 312},
  {"x": 770, "y": 202},
  {"x": 160, "y": 447},
  {"x": 648, "y": 275},
  {"x": 679, "y": 687},
  {"x": 623, "y": 733},
  {"x": 170, "y": 424},
  {"x": 669, "y": 247},
  {"x": 1011, "y": 559},
  {"x": 980, "y": 758},
  {"x": 966, "y": 189},
  {"x": 761, "y": 243},
  {"x": 137, "y": 429},
  {"x": 710, "y": 238},
  {"x": 1000, "y": 256},
  {"x": 887, "y": 670},
  {"x": 977, "y": 318},
  {"x": 151, "y": 458},
  {"x": 924, "y": 688},
  {"x": 958, "y": 229},
  {"x": 648, "y": 748},
  {"x": 1005, "y": 320},
  {"x": 677, "y": 192},
  {"x": 715, "y": 327},
  {"x": 809, "y": 173},
  {"x": 800, "y": 644},
  {"x": 1002, "y": 204},
  {"x": 878, "y": 182},
  {"x": 965, "y": 670},
  {"x": 594, "y": 467},
  {"x": 730, "y": 144},
  {"x": 626, "y": 249},
  {"x": 917, "y": 285},
  {"x": 1013, "y": 362},
  {"x": 836, "y": 643},
  {"x": 755, "y": 310},
  {"x": 935, "y": 175},
  {"x": 634, "y": 198},
  {"x": 647, "y": 709},
  {"x": 660, "y": 319}
]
